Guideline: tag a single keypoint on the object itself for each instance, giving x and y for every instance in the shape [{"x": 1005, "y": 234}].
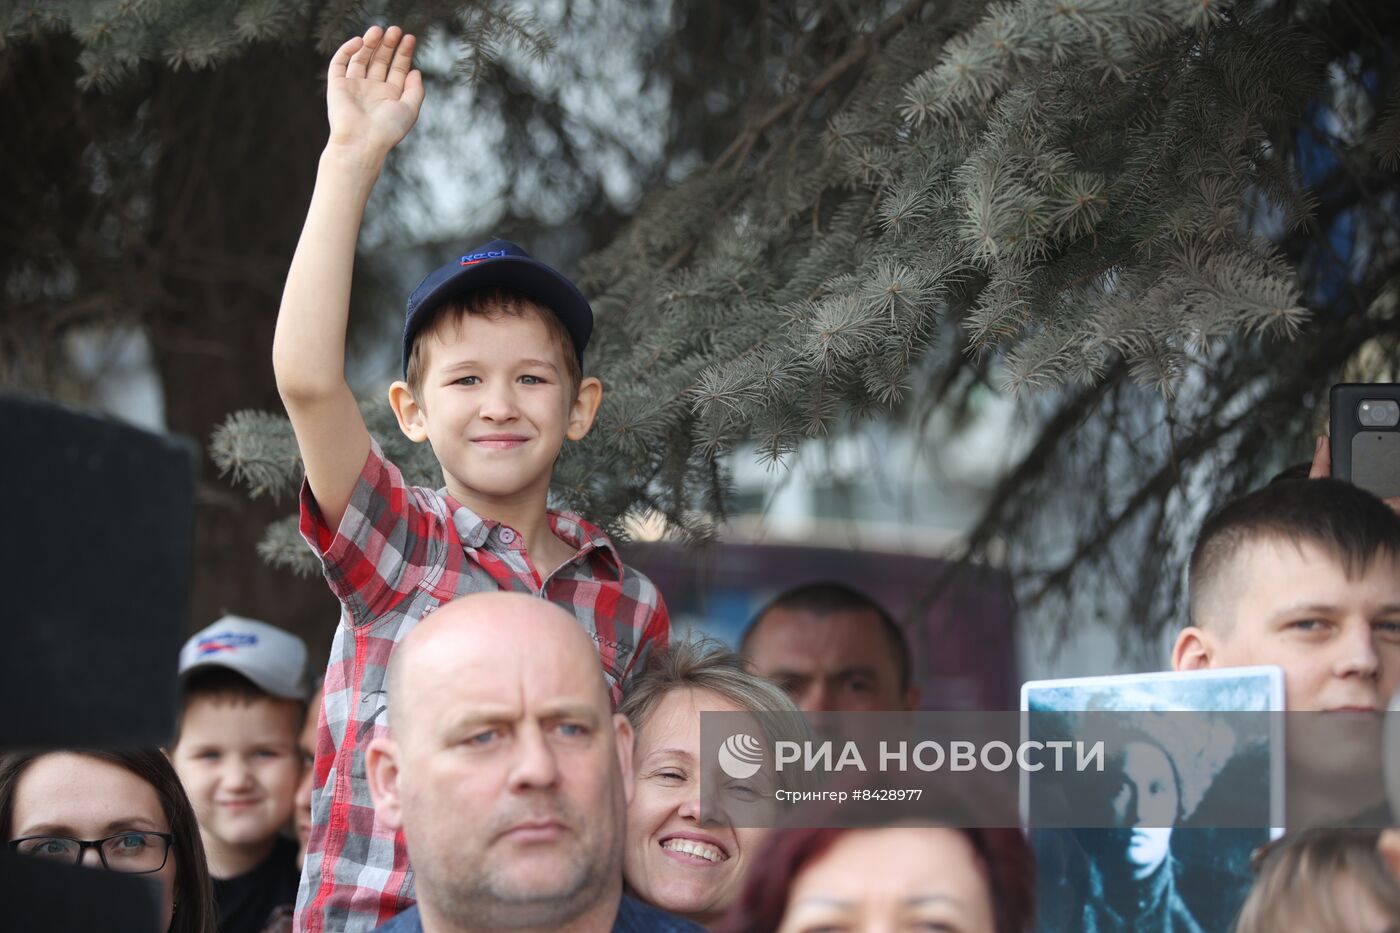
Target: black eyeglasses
[{"x": 131, "y": 853}]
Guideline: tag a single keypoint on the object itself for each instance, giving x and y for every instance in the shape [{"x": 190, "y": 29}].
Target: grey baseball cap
[{"x": 271, "y": 658}]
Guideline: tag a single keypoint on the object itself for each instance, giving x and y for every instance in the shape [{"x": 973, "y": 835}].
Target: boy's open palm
[{"x": 373, "y": 93}]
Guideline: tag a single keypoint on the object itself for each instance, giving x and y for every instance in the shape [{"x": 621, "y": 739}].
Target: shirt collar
[
  {"x": 586, "y": 538},
  {"x": 582, "y": 535}
]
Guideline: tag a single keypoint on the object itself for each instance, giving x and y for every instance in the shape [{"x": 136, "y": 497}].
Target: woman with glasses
[{"x": 124, "y": 811}]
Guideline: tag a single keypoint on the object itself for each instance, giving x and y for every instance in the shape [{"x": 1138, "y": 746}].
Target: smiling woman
[{"x": 683, "y": 852}]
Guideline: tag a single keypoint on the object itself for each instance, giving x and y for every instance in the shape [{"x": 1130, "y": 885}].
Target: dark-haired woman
[{"x": 124, "y": 811}]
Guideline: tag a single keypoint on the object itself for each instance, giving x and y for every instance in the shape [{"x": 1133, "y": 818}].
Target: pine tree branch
[
  {"x": 738, "y": 150},
  {"x": 737, "y": 153},
  {"x": 1199, "y": 443},
  {"x": 1053, "y": 433}
]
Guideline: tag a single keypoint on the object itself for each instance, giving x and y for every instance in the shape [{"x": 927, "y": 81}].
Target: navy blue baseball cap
[{"x": 499, "y": 264}]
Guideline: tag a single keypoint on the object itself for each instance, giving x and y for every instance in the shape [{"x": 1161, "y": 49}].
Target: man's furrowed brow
[
  {"x": 586, "y": 712},
  {"x": 482, "y": 716}
]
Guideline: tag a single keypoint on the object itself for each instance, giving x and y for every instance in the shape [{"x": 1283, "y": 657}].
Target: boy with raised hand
[
  {"x": 243, "y": 698},
  {"x": 492, "y": 356}
]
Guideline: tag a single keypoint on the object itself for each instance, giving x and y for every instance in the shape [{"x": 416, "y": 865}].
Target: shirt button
[{"x": 508, "y": 536}]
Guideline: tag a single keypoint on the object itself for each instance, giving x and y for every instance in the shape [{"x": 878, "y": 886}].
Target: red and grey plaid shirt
[{"x": 402, "y": 551}]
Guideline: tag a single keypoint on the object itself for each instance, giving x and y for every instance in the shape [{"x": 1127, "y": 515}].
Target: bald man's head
[
  {"x": 491, "y": 629},
  {"x": 505, "y": 767}
]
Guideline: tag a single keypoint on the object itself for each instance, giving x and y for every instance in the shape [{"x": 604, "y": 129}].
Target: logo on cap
[
  {"x": 472, "y": 259},
  {"x": 227, "y": 641}
]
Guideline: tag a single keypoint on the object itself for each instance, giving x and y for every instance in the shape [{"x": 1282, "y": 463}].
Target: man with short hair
[
  {"x": 1305, "y": 574},
  {"x": 508, "y": 774},
  {"x": 833, "y": 648}
]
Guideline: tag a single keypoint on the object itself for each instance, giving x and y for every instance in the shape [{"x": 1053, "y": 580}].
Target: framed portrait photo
[{"x": 1158, "y": 831}]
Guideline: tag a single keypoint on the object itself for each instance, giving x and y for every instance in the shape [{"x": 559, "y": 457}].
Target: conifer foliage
[
  {"x": 119, "y": 37},
  {"x": 1061, "y": 184},
  {"x": 1164, "y": 225}
]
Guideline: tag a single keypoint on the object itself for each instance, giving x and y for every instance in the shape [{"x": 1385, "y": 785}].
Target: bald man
[{"x": 508, "y": 774}]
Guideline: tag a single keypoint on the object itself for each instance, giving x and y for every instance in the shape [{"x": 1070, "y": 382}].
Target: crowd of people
[{"x": 506, "y": 737}]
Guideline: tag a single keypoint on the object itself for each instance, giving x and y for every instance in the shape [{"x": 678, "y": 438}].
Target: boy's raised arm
[{"x": 372, "y": 97}]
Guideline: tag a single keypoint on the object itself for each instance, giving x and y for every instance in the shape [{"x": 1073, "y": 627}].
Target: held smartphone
[{"x": 1365, "y": 429}]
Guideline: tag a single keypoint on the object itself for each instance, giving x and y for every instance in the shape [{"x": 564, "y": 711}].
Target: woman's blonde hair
[
  {"x": 1298, "y": 884},
  {"x": 706, "y": 664},
  {"x": 703, "y": 664}
]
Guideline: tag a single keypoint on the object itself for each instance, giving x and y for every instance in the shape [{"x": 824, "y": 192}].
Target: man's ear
[
  {"x": 584, "y": 409},
  {"x": 1194, "y": 650},
  {"x": 624, "y": 738},
  {"x": 911, "y": 699},
  {"x": 382, "y": 769},
  {"x": 410, "y": 414}
]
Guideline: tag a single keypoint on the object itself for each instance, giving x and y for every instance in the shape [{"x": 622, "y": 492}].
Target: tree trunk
[{"x": 239, "y": 150}]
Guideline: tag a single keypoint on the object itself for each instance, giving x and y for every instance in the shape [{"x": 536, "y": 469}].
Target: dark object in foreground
[
  {"x": 96, "y": 549},
  {"x": 41, "y": 897}
]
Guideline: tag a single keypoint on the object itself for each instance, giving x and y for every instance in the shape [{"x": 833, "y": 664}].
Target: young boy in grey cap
[
  {"x": 243, "y": 696},
  {"x": 492, "y": 356}
]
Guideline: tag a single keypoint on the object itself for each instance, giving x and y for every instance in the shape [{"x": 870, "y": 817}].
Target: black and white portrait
[{"x": 1154, "y": 840}]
